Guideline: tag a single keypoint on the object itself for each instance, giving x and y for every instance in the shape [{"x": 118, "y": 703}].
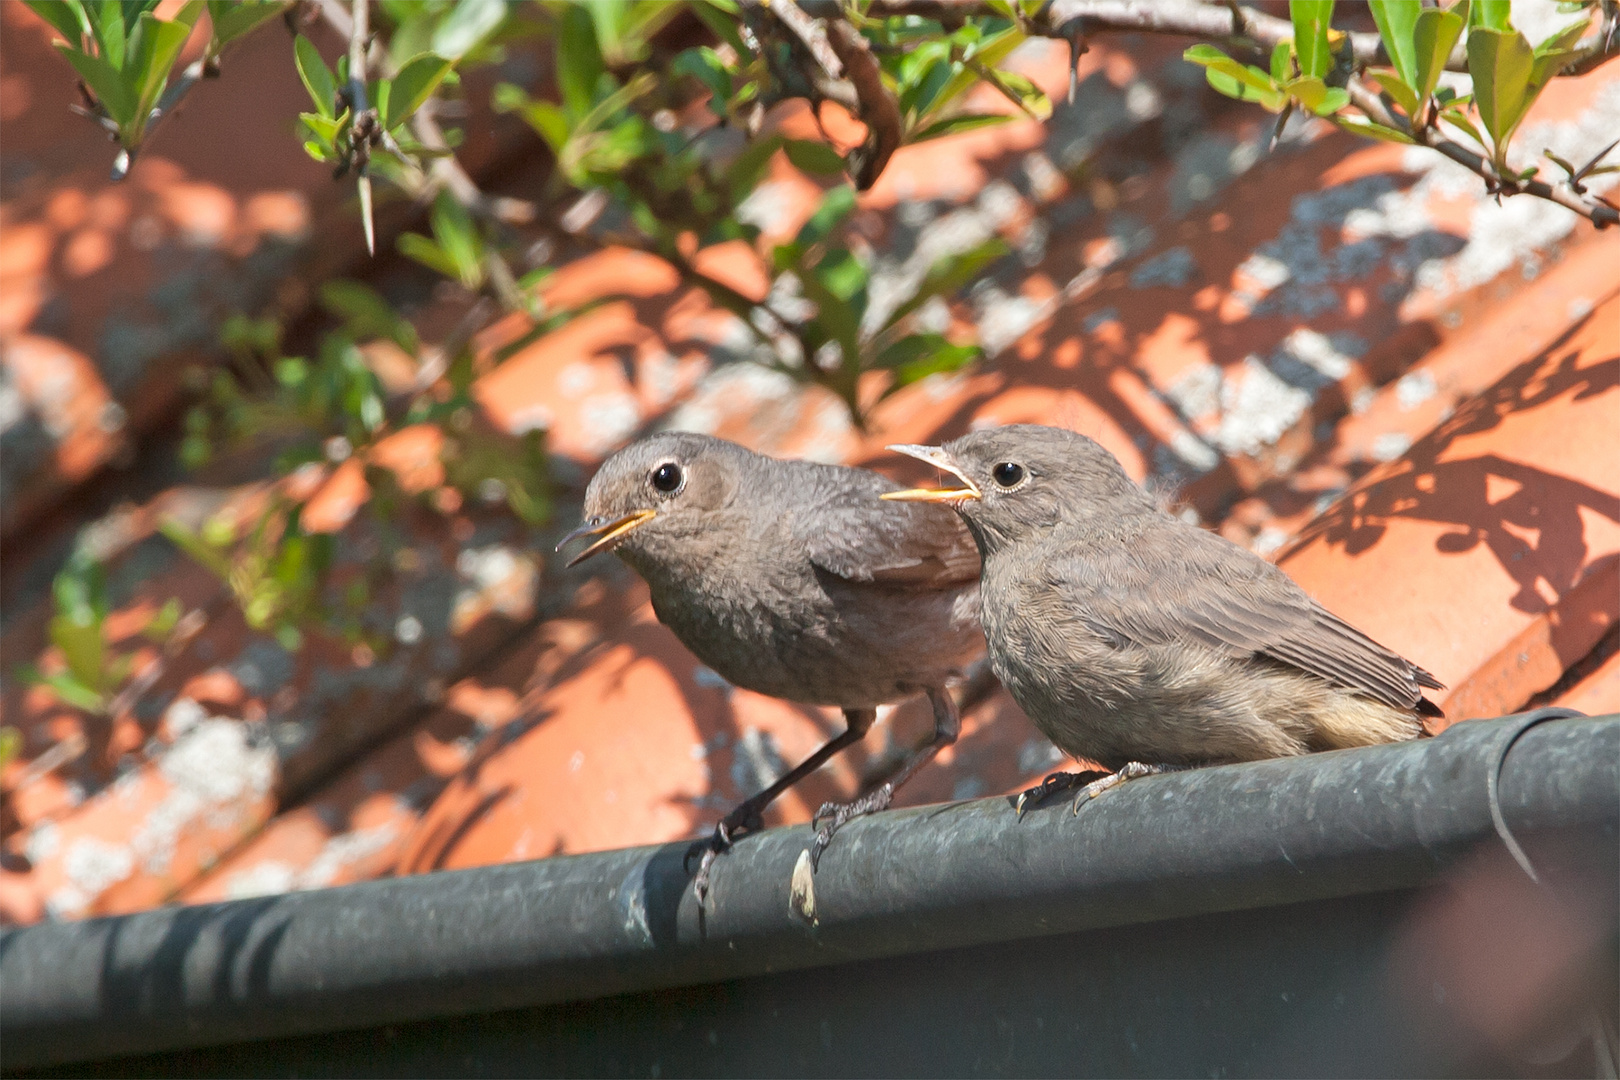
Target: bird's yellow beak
[
  {"x": 609, "y": 533},
  {"x": 936, "y": 457}
]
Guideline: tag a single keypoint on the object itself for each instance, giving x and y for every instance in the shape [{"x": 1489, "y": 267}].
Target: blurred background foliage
[{"x": 660, "y": 120}]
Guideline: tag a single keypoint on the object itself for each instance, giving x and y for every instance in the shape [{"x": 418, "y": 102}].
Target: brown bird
[
  {"x": 792, "y": 579},
  {"x": 1146, "y": 644}
]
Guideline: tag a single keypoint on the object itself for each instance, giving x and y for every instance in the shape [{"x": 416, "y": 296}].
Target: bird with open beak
[
  {"x": 792, "y": 579},
  {"x": 1136, "y": 640}
]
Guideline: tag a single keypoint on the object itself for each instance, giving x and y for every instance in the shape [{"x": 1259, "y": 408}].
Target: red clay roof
[{"x": 1342, "y": 353}]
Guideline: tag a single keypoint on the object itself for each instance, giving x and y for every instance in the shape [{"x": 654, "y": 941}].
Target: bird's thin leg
[
  {"x": 747, "y": 817},
  {"x": 947, "y": 723},
  {"x": 1131, "y": 770}
]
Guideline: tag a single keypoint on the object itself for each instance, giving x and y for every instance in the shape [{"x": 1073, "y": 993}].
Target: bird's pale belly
[{"x": 825, "y": 653}]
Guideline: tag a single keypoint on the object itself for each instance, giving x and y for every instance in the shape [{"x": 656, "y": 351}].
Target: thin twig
[
  {"x": 359, "y": 31},
  {"x": 1234, "y": 23},
  {"x": 878, "y": 107},
  {"x": 810, "y": 32}
]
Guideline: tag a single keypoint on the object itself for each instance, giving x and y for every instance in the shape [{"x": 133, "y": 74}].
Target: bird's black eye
[
  {"x": 1008, "y": 474},
  {"x": 667, "y": 477}
]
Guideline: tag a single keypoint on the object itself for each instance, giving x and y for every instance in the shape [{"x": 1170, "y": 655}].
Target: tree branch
[
  {"x": 810, "y": 32},
  {"x": 878, "y": 108},
  {"x": 1235, "y": 25},
  {"x": 1590, "y": 207}
]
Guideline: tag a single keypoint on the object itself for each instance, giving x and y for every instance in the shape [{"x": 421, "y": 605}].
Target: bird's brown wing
[
  {"x": 848, "y": 531},
  {"x": 1182, "y": 585}
]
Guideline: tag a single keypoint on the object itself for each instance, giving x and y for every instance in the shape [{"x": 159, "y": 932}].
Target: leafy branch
[{"x": 1313, "y": 70}]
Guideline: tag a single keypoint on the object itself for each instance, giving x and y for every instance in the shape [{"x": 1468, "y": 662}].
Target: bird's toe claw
[
  {"x": 1054, "y": 783},
  {"x": 837, "y": 815}
]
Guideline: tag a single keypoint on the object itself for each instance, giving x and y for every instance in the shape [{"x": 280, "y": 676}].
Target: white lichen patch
[
  {"x": 756, "y": 761},
  {"x": 1196, "y": 392},
  {"x": 217, "y": 774},
  {"x": 1413, "y": 389},
  {"x": 1256, "y": 408},
  {"x": 94, "y": 865},
  {"x": 500, "y": 580},
  {"x": 607, "y": 420}
]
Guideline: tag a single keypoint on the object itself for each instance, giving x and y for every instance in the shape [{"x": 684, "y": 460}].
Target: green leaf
[
  {"x": 467, "y": 25},
  {"x": 548, "y": 121},
  {"x": 366, "y": 313},
  {"x": 1244, "y": 89},
  {"x": 745, "y": 172},
  {"x": 1361, "y": 126},
  {"x": 82, "y": 645},
  {"x": 232, "y": 20},
  {"x": 812, "y": 157},
  {"x": 156, "y": 51},
  {"x": 421, "y": 249},
  {"x": 705, "y": 65},
  {"x": 1434, "y": 37},
  {"x": 1336, "y": 98},
  {"x": 1397, "y": 23},
  {"x": 1311, "y": 20},
  {"x": 1235, "y": 80},
  {"x": 988, "y": 52},
  {"x": 322, "y": 127},
  {"x": 162, "y": 624},
  {"x": 721, "y": 21},
  {"x": 1204, "y": 55},
  {"x": 1281, "y": 54},
  {"x": 105, "y": 81},
  {"x": 956, "y": 125},
  {"x": 11, "y": 745},
  {"x": 1501, "y": 64},
  {"x": 1022, "y": 92},
  {"x": 414, "y": 84},
  {"x": 107, "y": 24},
  {"x": 835, "y": 206},
  {"x": 378, "y": 94},
  {"x": 74, "y": 693},
  {"x": 458, "y": 236},
  {"x": 66, "y": 17},
  {"x": 1562, "y": 39},
  {"x": 843, "y": 275},
  {"x": 1460, "y": 120},
  {"x": 579, "y": 60},
  {"x": 619, "y": 99},
  {"x": 316, "y": 75},
  {"x": 1493, "y": 15},
  {"x": 918, "y": 356},
  {"x": 1398, "y": 90},
  {"x": 194, "y": 546},
  {"x": 949, "y": 274}
]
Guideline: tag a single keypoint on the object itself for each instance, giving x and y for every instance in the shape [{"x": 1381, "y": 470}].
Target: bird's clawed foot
[
  {"x": 1132, "y": 770},
  {"x": 740, "y": 822},
  {"x": 838, "y": 814},
  {"x": 1054, "y": 783}
]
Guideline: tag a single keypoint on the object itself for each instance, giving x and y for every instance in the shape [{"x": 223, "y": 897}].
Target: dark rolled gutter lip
[{"x": 576, "y": 927}]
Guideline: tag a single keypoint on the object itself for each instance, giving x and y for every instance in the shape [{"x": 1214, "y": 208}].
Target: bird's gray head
[
  {"x": 656, "y": 493},
  {"x": 1023, "y": 479}
]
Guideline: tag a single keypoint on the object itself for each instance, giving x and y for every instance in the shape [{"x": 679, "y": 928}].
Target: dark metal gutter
[{"x": 568, "y": 929}]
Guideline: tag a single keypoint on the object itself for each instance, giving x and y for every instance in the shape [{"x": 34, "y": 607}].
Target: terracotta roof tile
[{"x": 1258, "y": 333}]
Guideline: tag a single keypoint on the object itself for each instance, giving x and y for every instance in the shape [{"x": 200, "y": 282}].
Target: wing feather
[
  {"x": 1197, "y": 588},
  {"x": 850, "y": 532}
]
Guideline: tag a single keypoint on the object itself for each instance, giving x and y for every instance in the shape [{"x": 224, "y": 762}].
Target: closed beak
[
  {"x": 609, "y": 533},
  {"x": 935, "y": 456}
]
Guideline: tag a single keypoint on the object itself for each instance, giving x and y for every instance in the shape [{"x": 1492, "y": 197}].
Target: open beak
[
  {"x": 936, "y": 457},
  {"x": 608, "y": 533}
]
